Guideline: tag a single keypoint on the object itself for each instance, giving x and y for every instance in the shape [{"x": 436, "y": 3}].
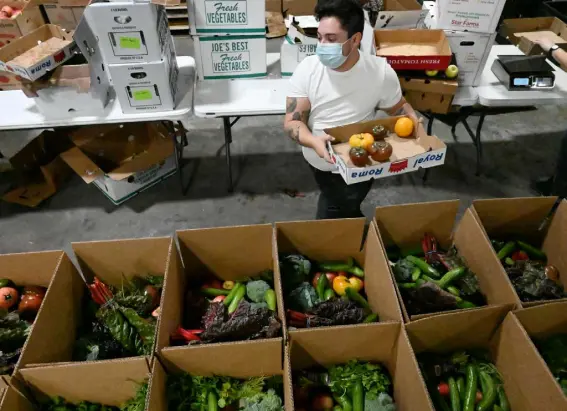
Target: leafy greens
[{"x": 343, "y": 378}]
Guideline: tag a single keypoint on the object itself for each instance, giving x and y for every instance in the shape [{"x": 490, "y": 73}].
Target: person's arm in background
[
  {"x": 403, "y": 108},
  {"x": 559, "y": 55}
]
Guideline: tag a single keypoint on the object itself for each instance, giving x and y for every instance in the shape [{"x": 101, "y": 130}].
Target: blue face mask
[{"x": 331, "y": 54}]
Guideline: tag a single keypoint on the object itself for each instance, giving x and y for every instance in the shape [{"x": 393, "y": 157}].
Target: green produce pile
[
  {"x": 463, "y": 381},
  {"x": 431, "y": 280},
  {"x": 193, "y": 393},
  {"x": 554, "y": 352},
  {"x": 533, "y": 279},
  {"x": 323, "y": 293},
  {"x": 354, "y": 386},
  {"x": 119, "y": 322},
  {"x": 138, "y": 403}
]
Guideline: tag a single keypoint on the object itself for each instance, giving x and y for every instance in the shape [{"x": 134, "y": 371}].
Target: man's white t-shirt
[{"x": 341, "y": 98}]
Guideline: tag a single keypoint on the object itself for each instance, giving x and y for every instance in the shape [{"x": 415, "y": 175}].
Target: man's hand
[
  {"x": 545, "y": 44},
  {"x": 319, "y": 144}
]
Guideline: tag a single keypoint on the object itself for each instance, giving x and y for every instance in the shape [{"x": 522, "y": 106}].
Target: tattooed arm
[{"x": 296, "y": 119}]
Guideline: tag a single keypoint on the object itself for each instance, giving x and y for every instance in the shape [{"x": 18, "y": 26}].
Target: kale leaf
[
  {"x": 303, "y": 298},
  {"x": 295, "y": 269}
]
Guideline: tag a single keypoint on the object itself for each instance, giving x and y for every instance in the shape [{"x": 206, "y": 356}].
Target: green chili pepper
[
  {"x": 371, "y": 318},
  {"x": 358, "y": 397},
  {"x": 353, "y": 295},
  {"x": 214, "y": 292},
  {"x": 240, "y": 293},
  {"x": 329, "y": 294},
  {"x": 270, "y": 297},
  {"x": 213, "y": 402},
  {"x": 502, "y": 399},
  {"x": 450, "y": 277},
  {"x": 488, "y": 391},
  {"x": 505, "y": 251},
  {"x": 423, "y": 266},
  {"x": 415, "y": 274},
  {"x": 533, "y": 252},
  {"x": 470, "y": 389},
  {"x": 232, "y": 294},
  {"x": 454, "y": 394},
  {"x": 454, "y": 290},
  {"x": 344, "y": 402},
  {"x": 461, "y": 387},
  {"x": 407, "y": 286},
  {"x": 509, "y": 261},
  {"x": 322, "y": 283},
  {"x": 463, "y": 304}
]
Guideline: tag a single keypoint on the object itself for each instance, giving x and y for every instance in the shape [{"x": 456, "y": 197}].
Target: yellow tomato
[
  {"x": 341, "y": 283},
  {"x": 363, "y": 140}
]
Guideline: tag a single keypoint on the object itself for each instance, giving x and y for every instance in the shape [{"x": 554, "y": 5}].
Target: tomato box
[
  {"x": 409, "y": 154},
  {"x": 414, "y": 49},
  {"x": 26, "y": 17}
]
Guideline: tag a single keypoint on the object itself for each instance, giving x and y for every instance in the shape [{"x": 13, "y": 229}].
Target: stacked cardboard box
[
  {"x": 26, "y": 17},
  {"x": 65, "y": 13},
  {"x": 229, "y": 37}
]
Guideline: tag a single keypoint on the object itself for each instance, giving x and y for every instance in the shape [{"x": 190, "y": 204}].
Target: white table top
[
  {"x": 492, "y": 93},
  {"x": 19, "y": 112}
]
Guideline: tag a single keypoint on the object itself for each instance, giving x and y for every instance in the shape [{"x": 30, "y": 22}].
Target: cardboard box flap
[
  {"x": 545, "y": 320},
  {"x": 411, "y": 43},
  {"x": 401, "y": 5},
  {"x": 76, "y": 76},
  {"x": 82, "y": 165}
]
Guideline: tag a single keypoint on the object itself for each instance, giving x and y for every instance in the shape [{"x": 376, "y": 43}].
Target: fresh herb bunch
[{"x": 343, "y": 378}]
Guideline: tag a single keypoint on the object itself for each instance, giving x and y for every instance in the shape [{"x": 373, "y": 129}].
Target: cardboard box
[
  {"x": 475, "y": 329},
  {"x": 337, "y": 240},
  {"x": 9, "y": 81},
  {"x": 222, "y": 252},
  {"x": 523, "y": 32},
  {"x": 145, "y": 87},
  {"x": 384, "y": 343},
  {"x": 414, "y": 49},
  {"x": 409, "y": 154},
  {"x": 104, "y": 382},
  {"x": 470, "y": 15},
  {"x": 429, "y": 95},
  {"x": 520, "y": 218},
  {"x": 68, "y": 90},
  {"x": 229, "y": 57},
  {"x": 36, "y": 269},
  {"x": 404, "y": 226},
  {"x": 537, "y": 323},
  {"x": 128, "y": 32},
  {"x": 40, "y": 171},
  {"x": 26, "y": 22},
  {"x": 401, "y": 14},
  {"x": 31, "y": 60},
  {"x": 122, "y": 160},
  {"x": 242, "y": 17},
  {"x": 65, "y": 13}
]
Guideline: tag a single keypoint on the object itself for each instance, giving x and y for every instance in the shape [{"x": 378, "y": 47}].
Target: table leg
[
  {"x": 476, "y": 139},
  {"x": 227, "y": 142},
  {"x": 430, "y": 124},
  {"x": 178, "y": 149}
]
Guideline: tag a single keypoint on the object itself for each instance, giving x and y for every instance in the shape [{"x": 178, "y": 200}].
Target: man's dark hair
[{"x": 348, "y": 12}]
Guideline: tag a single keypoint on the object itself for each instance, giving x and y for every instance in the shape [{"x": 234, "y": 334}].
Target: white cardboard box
[
  {"x": 401, "y": 14},
  {"x": 227, "y": 16},
  {"x": 481, "y": 16},
  {"x": 226, "y": 57},
  {"x": 129, "y": 32},
  {"x": 145, "y": 87}
]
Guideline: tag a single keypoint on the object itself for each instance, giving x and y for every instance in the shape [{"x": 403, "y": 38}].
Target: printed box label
[{"x": 223, "y": 12}]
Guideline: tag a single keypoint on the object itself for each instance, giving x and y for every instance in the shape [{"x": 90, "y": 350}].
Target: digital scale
[{"x": 524, "y": 72}]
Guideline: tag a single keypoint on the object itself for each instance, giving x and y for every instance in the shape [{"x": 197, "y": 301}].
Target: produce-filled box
[
  {"x": 393, "y": 374},
  {"x": 132, "y": 274},
  {"x": 33, "y": 285},
  {"x": 528, "y": 244},
  {"x": 251, "y": 373},
  {"x": 88, "y": 386},
  {"x": 471, "y": 349},
  {"x": 441, "y": 264},
  {"x": 18, "y": 18},
  {"x": 228, "y": 292},
  {"x": 524, "y": 32},
  {"x": 430, "y": 95},
  {"x": 414, "y": 49},
  {"x": 319, "y": 260},
  {"x": 542, "y": 355},
  {"x": 354, "y": 151}
]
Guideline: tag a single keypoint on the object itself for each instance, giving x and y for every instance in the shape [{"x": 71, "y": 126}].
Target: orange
[{"x": 404, "y": 127}]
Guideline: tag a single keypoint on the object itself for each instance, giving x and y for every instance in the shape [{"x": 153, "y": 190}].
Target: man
[
  {"x": 556, "y": 184},
  {"x": 338, "y": 86}
]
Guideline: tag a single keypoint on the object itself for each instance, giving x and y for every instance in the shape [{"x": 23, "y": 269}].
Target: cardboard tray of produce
[
  {"x": 520, "y": 219},
  {"x": 523, "y": 32},
  {"x": 404, "y": 226},
  {"x": 409, "y": 154},
  {"x": 414, "y": 49},
  {"x": 38, "y": 52},
  {"x": 429, "y": 95}
]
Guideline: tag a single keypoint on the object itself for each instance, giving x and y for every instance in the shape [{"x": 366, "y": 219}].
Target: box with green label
[
  {"x": 227, "y": 16},
  {"x": 128, "y": 32},
  {"x": 145, "y": 87},
  {"x": 226, "y": 57}
]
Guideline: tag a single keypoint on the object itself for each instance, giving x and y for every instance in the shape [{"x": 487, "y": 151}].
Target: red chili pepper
[
  {"x": 187, "y": 335},
  {"x": 443, "y": 389},
  {"x": 520, "y": 256},
  {"x": 296, "y": 315}
]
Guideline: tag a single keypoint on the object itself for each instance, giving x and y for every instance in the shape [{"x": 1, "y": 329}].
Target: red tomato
[
  {"x": 8, "y": 297},
  {"x": 30, "y": 304},
  {"x": 478, "y": 397},
  {"x": 34, "y": 290},
  {"x": 443, "y": 389},
  {"x": 520, "y": 256},
  {"x": 323, "y": 403},
  {"x": 219, "y": 298},
  {"x": 330, "y": 278}
]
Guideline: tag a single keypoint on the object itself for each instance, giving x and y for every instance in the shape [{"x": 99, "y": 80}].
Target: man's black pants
[{"x": 337, "y": 199}]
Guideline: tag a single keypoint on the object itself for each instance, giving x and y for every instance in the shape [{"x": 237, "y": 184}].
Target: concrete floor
[{"x": 517, "y": 148}]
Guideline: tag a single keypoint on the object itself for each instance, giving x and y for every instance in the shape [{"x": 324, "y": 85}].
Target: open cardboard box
[
  {"x": 429, "y": 95},
  {"x": 520, "y": 219},
  {"x": 337, "y": 240},
  {"x": 238, "y": 360},
  {"x": 122, "y": 160},
  {"x": 523, "y": 32},
  {"x": 9, "y": 81},
  {"x": 28, "y": 20},
  {"x": 414, "y": 49},
  {"x": 404, "y": 226},
  {"x": 65, "y": 13},
  {"x": 480, "y": 329},
  {"x": 227, "y": 253},
  {"x": 409, "y": 154},
  {"x": 536, "y": 381},
  {"x": 401, "y": 14},
  {"x": 31, "y": 60},
  {"x": 40, "y": 170},
  {"x": 109, "y": 383},
  {"x": 384, "y": 343}
]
